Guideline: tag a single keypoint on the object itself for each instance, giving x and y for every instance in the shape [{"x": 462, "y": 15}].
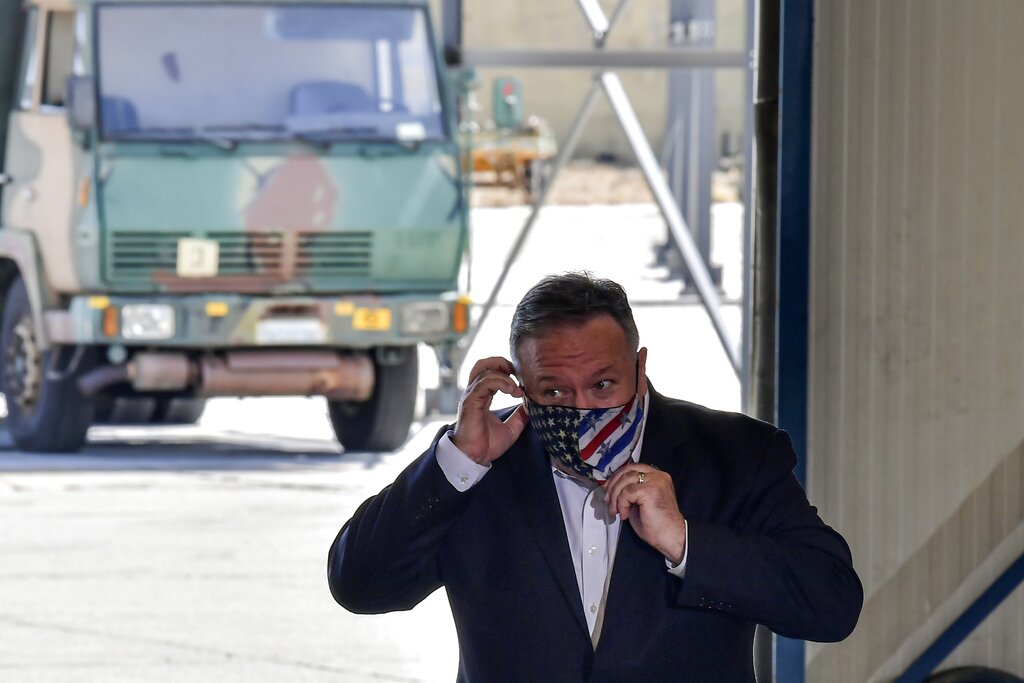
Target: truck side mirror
[{"x": 80, "y": 98}]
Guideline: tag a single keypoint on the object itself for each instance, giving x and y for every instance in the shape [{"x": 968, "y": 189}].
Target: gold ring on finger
[{"x": 641, "y": 477}]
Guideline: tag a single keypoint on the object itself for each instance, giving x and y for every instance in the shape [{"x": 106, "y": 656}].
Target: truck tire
[
  {"x": 45, "y": 410},
  {"x": 382, "y": 422},
  {"x": 178, "y": 411}
]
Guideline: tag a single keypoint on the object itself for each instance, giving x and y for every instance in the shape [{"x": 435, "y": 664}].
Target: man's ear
[{"x": 641, "y": 372}]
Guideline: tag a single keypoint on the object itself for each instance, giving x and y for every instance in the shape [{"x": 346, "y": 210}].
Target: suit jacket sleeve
[
  {"x": 780, "y": 565},
  {"x": 384, "y": 558}
]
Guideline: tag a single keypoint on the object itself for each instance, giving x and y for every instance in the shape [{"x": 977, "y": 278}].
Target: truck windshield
[{"x": 317, "y": 73}]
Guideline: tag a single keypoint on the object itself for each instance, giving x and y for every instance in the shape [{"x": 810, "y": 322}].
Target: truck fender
[{"x": 19, "y": 256}]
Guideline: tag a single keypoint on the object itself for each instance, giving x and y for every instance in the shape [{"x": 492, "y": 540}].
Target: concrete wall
[
  {"x": 916, "y": 409},
  {"x": 555, "y": 95}
]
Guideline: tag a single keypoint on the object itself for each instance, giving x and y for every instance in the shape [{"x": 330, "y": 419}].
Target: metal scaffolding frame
[{"x": 607, "y": 82}]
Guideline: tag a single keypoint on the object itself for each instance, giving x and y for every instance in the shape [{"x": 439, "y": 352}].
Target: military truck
[{"x": 223, "y": 199}]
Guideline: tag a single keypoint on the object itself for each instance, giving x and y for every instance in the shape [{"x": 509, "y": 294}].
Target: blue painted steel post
[{"x": 797, "y": 36}]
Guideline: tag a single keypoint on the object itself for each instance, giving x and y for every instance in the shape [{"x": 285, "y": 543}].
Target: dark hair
[{"x": 570, "y": 298}]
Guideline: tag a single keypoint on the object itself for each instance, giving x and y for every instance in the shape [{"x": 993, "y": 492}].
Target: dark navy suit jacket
[{"x": 758, "y": 553}]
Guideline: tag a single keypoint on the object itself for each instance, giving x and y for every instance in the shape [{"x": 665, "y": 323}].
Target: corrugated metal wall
[{"x": 916, "y": 410}]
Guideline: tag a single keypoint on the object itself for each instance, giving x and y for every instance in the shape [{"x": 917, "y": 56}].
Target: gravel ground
[{"x": 585, "y": 182}]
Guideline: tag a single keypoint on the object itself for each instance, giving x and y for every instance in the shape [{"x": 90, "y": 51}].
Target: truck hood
[{"x": 376, "y": 220}]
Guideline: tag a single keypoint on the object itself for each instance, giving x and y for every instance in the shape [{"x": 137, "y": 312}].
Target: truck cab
[{"x": 226, "y": 198}]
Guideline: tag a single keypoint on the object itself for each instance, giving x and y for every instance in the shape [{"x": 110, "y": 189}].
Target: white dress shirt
[{"x": 593, "y": 534}]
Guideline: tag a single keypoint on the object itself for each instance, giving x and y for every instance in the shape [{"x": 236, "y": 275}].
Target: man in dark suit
[{"x": 598, "y": 531}]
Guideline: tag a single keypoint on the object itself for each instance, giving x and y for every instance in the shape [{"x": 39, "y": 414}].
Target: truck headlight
[
  {"x": 147, "y": 321},
  {"x": 425, "y": 317}
]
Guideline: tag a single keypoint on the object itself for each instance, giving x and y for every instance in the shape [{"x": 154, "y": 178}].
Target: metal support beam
[
  {"x": 794, "y": 246},
  {"x": 965, "y": 624},
  {"x": 689, "y": 150},
  {"x": 674, "y": 58},
  {"x": 670, "y": 210}
]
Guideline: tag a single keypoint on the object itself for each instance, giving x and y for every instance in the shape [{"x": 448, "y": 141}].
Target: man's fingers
[
  {"x": 516, "y": 422},
  {"x": 623, "y": 489},
  {"x": 492, "y": 364},
  {"x": 626, "y": 505},
  {"x": 624, "y": 498},
  {"x": 482, "y": 389},
  {"x": 615, "y": 485}
]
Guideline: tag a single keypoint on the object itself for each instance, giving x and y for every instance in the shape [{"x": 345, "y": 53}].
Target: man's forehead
[
  {"x": 561, "y": 356},
  {"x": 600, "y": 324}
]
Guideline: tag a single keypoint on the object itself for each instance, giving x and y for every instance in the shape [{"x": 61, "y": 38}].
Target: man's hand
[
  {"x": 650, "y": 507},
  {"x": 478, "y": 432}
]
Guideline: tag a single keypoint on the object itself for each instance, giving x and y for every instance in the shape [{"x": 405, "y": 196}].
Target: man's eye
[
  {"x": 603, "y": 384},
  {"x": 554, "y": 393}
]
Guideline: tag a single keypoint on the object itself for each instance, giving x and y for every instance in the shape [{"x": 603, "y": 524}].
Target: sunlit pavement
[{"x": 199, "y": 553}]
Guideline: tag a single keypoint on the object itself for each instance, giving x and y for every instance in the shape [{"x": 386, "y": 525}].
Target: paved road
[{"x": 198, "y": 553}]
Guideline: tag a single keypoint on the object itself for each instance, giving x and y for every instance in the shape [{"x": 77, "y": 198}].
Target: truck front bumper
[{"x": 217, "y": 321}]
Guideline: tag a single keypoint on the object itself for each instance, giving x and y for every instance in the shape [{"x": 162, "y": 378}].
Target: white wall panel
[{"x": 916, "y": 410}]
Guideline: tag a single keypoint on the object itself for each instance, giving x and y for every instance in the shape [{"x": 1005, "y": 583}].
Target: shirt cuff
[
  {"x": 459, "y": 469},
  {"x": 679, "y": 570}
]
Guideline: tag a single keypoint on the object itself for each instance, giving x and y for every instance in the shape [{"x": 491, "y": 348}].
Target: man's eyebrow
[{"x": 607, "y": 370}]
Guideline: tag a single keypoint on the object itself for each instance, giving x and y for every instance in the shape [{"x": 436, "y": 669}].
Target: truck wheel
[
  {"x": 45, "y": 410},
  {"x": 382, "y": 422},
  {"x": 178, "y": 411}
]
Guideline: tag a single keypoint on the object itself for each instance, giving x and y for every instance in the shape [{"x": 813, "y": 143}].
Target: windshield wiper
[
  {"x": 324, "y": 137},
  {"x": 269, "y": 128},
  {"x": 311, "y": 140},
  {"x": 181, "y": 134}
]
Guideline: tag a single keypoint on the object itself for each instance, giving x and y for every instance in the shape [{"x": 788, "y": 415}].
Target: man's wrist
[
  {"x": 459, "y": 469},
  {"x": 676, "y": 554}
]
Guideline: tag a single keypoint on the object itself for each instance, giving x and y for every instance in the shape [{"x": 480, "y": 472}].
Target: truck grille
[{"x": 274, "y": 255}]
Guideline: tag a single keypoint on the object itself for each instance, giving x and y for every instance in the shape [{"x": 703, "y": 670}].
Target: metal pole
[
  {"x": 765, "y": 238},
  {"x": 614, "y": 19},
  {"x": 690, "y": 144},
  {"x": 451, "y": 19},
  {"x": 670, "y": 210},
  {"x": 764, "y": 655}
]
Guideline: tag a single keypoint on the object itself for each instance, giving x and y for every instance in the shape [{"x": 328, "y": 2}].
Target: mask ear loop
[{"x": 526, "y": 400}]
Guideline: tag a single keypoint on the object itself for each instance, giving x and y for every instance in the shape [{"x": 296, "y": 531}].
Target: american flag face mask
[{"x": 591, "y": 442}]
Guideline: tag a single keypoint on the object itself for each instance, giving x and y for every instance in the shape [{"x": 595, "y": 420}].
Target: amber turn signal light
[
  {"x": 111, "y": 321},
  {"x": 460, "y": 315}
]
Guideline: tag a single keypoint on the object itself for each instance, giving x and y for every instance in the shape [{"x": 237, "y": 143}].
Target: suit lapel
[
  {"x": 662, "y": 448},
  {"x": 536, "y": 497}
]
